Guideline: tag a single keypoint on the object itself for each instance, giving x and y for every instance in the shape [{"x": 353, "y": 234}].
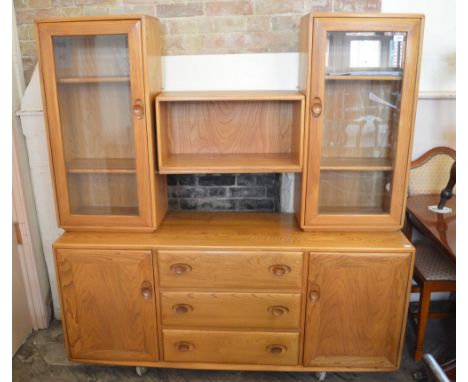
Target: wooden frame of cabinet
[
  {"x": 313, "y": 47},
  {"x": 242, "y": 291},
  {"x": 230, "y": 131},
  {"x": 133, "y": 181},
  {"x": 223, "y": 244}
]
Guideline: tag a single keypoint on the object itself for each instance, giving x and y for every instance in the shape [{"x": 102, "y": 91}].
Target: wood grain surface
[
  {"x": 231, "y": 347},
  {"x": 231, "y": 309},
  {"x": 105, "y": 314}
]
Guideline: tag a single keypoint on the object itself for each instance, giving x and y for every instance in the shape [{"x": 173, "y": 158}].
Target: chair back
[{"x": 430, "y": 173}]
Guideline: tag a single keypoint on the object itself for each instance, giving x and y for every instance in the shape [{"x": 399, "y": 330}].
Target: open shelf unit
[{"x": 222, "y": 132}]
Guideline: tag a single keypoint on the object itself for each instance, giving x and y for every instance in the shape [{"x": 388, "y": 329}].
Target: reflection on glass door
[
  {"x": 94, "y": 96},
  {"x": 363, "y": 85}
]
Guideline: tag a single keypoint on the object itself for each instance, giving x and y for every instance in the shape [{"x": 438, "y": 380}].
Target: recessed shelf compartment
[
  {"x": 222, "y": 132},
  {"x": 103, "y": 194},
  {"x": 355, "y": 193}
]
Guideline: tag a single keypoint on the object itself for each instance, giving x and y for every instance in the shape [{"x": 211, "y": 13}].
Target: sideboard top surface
[{"x": 249, "y": 231}]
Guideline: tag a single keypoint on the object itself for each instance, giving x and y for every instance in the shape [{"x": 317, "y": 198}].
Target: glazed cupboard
[{"x": 236, "y": 291}]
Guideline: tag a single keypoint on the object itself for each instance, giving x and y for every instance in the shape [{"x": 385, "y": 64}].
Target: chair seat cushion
[{"x": 432, "y": 264}]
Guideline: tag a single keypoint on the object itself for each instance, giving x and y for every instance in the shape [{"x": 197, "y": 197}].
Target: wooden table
[{"x": 438, "y": 227}]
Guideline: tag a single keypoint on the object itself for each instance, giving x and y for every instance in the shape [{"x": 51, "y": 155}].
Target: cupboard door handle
[
  {"x": 138, "y": 109},
  {"x": 146, "y": 290},
  {"x": 280, "y": 269},
  {"x": 314, "y": 293},
  {"x": 316, "y": 107},
  {"x": 184, "y": 346},
  {"x": 276, "y": 349},
  {"x": 182, "y": 308},
  {"x": 180, "y": 269},
  {"x": 278, "y": 310}
]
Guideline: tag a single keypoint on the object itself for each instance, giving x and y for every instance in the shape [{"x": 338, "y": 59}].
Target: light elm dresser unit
[{"x": 324, "y": 289}]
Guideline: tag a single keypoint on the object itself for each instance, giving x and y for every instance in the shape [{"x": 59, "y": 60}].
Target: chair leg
[{"x": 424, "y": 303}]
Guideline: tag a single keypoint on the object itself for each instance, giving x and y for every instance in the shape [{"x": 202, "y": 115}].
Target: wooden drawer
[
  {"x": 240, "y": 310},
  {"x": 230, "y": 269},
  {"x": 264, "y": 348}
]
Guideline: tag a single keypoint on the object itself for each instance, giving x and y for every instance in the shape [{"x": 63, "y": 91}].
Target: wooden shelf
[
  {"x": 356, "y": 164},
  {"x": 229, "y": 163},
  {"x": 231, "y": 96},
  {"x": 352, "y": 210},
  {"x": 90, "y": 80},
  {"x": 107, "y": 211},
  {"x": 101, "y": 166},
  {"x": 362, "y": 78}
]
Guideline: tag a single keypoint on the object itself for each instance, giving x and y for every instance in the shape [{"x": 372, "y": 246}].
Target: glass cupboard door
[
  {"x": 358, "y": 120},
  {"x": 100, "y": 147}
]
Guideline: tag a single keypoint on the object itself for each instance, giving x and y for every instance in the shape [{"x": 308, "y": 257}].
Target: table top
[{"x": 440, "y": 227}]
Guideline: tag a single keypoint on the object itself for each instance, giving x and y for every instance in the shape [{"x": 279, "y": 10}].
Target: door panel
[
  {"x": 356, "y": 309},
  {"x": 94, "y": 90},
  {"x": 108, "y": 304},
  {"x": 361, "y": 114}
]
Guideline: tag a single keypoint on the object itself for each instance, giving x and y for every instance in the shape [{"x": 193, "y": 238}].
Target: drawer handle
[
  {"x": 280, "y": 269},
  {"x": 182, "y": 308},
  {"x": 146, "y": 290},
  {"x": 180, "y": 269},
  {"x": 314, "y": 293},
  {"x": 278, "y": 310},
  {"x": 184, "y": 346},
  {"x": 277, "y": 349}
]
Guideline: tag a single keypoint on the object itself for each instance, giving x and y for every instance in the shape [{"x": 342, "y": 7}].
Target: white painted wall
[
  {"x": 439, "y": 49},
  {"x": 435, "y": 118}
]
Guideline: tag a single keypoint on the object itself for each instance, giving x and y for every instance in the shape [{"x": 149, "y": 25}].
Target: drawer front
[
  {"x": 240, "y": 310},
  {"x": 230, "y": 270},
  {"x": 263, "y": 348}
]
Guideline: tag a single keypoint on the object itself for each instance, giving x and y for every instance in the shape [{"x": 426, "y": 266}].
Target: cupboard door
[
  {"x": 363, "y": 88},
  {"x": 108, "y": 304},
  {"x": 94, "y": 91},
  {"x": 356, "y": 310}
]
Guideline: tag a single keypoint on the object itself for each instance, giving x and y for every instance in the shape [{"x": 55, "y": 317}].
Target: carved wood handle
[
  {"x": 316, "y": 107},
  {"x": 138, "y": 109},
  {"x": 280, "y": 269},
  {"x": 184, "y": 346},
  {"x": 276, "y": 349},
  {"x": 180, "y": 269},
  {"x": 314, "y": 293},
  {"x": 147, "y": 290},
  {"x": 182, "y": 308},
  {"x": 278, "y": 310}
]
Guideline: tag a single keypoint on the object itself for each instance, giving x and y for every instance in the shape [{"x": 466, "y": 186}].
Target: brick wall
[
  {"x": 224, "y": 192},
  {"x": 195, "y": 26}
]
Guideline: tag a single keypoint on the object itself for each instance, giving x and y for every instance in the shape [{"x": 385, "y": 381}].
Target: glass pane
[
  {"x": 93, "y": 87},
  {"x": 365, "y": 53},
  {"x": 361, "y": 109},
  {"x": 354, "y": 192}
]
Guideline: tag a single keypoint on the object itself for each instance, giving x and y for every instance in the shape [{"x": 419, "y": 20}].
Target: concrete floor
[{"x": 42, "y": 359}]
